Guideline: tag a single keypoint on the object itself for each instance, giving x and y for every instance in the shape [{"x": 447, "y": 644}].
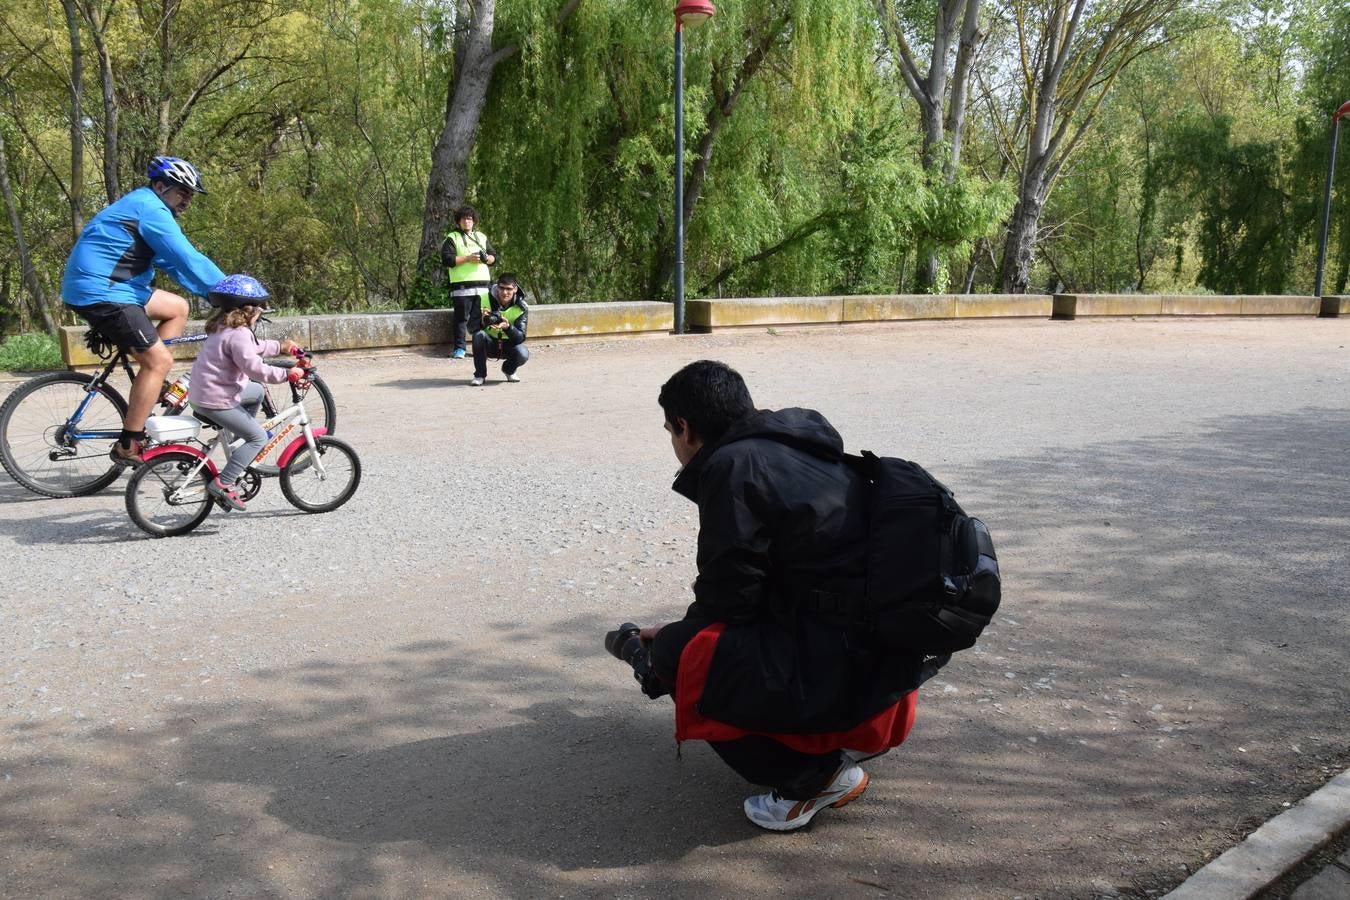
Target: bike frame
[
  {"x": 72, "y": 432},
  {"x": 295, "y": 412}
]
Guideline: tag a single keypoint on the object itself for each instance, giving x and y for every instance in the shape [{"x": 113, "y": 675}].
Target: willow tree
[
  {"x": 574, "y": 168},
  {"x": 475, "y": 56},
  {"x": 1326, "y": 88}
]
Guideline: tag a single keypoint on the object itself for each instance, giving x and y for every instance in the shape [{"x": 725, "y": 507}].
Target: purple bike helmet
[{"x": 236, "y": 291}]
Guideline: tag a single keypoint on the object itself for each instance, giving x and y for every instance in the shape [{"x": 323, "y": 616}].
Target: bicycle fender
[
  {"x": 179, "y": 448},
  {"x": 295, "y": 447}
]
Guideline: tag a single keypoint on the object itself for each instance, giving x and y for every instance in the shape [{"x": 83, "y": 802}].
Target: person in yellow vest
[
  {"x": 500, "y": 332},
  {"x": 466, "y": 254}
]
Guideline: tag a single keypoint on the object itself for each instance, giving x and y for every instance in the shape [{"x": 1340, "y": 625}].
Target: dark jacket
[{"x": 781, "y": 514}]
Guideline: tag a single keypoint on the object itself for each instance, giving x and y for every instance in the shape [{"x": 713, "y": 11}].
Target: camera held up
[{"x": 625, "y": 643}]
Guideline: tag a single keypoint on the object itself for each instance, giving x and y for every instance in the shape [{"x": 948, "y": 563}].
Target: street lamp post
[
  {"x": 1326, "y": 199},
  {"x": 690, "y": 12}
]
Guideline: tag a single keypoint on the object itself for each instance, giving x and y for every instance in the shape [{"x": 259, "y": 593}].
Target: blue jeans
[{"x": 513, "y": 356}]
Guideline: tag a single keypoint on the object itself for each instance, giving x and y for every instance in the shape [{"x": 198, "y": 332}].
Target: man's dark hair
[
  {"x": 508, "y": 278},
  {"x": 465, "y": 211},
  {"x": 710, "y": 396}
]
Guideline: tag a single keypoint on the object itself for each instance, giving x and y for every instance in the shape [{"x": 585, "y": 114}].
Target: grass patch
[{"x": 30, "y": 353}]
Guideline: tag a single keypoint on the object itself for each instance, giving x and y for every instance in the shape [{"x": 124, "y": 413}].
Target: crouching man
[
  {"x": 500, "y": 331},
  {"x": 785, "y": 687}
]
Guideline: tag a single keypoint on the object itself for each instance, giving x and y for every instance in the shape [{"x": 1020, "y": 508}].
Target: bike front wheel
[
  {"x": 324, "y": 486},
  {"x": 55, "y": 443},
  {"x": 319, "y": 405},
  {"x": 167, "y": 495}
]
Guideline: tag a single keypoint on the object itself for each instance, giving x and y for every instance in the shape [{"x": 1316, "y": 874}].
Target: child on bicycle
[{"x": 221, "y": 387}]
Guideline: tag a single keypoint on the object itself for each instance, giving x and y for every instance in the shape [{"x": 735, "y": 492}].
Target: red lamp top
[
  {"x": 1343, "y": 111},
  {"x": 693, "y": 12}
]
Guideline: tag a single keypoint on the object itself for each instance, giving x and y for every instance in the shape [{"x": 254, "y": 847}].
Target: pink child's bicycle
[{"x": 166, "y": 495}]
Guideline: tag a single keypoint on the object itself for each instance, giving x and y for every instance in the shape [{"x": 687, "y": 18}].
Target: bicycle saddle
[
  {"x": 206, "y": 420},
  {"x": 98, "y": 343}
]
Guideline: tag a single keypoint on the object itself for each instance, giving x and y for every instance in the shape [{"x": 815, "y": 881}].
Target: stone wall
[{"x": 412, "y": 328}]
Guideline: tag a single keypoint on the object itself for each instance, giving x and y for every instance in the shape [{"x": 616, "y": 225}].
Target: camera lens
[{"x": 624, "y": 643}]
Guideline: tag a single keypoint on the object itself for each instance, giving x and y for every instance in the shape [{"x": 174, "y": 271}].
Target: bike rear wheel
[
  {"x": 41, "y": 445},
  {"x": 166, "y": 497},
  {"x": 319, "y": 405},
  {"x": 309, "y": 489}
]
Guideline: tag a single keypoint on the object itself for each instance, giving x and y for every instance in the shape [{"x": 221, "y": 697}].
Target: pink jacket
[{"x": 231, "y": 358}]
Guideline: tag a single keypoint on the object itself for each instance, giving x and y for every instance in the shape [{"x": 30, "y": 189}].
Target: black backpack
[{"x": 932, "y": 576}]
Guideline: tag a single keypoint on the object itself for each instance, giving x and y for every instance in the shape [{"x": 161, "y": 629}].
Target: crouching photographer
[
  {"x": 500, "y": 331},
  {"x": 790, "y": 697}
]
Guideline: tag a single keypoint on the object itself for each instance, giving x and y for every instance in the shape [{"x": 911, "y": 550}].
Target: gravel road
[{"x": 407, "y": 697}]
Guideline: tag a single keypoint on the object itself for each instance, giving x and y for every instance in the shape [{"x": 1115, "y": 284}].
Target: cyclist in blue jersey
[{"x": 108, "y": 282}]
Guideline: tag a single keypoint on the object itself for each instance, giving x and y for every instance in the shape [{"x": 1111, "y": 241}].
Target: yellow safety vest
[
  {"x": 510, "y": 314},
  {"x": 474, "y": 270}
]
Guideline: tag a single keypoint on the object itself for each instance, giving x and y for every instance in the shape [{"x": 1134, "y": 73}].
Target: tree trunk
[
  {"x": 76, "y": 120},
  {"x": 163, "y": 96},
  {"x": 98, "y": 26},
  {"x": 475, "y": 61},
  {"x": 1020, "y": 247},
  {"x": 971, "y": 36},
  {"x": 465, "y": 98},
  {"x": 1063, "y": 112},
  {"x": 30, "y": 277}
]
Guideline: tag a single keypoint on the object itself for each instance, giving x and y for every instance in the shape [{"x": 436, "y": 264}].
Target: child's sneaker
[
  {"x": 458, "y": 353},
  {"x": 226, "y": 495},
  {"x": 780, "y": 814}
]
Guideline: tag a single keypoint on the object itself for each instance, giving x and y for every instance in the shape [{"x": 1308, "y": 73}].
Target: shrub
[{"x": 30, "y": 352}]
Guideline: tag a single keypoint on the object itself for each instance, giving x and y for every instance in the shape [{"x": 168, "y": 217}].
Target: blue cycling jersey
[{"x": 115, "y": 258}]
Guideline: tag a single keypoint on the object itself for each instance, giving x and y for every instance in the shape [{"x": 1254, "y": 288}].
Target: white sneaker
[
  {"x": 780, "y": 814},
  {"x": 477, "y": 382},
  {"x": 513, "y": 377}
]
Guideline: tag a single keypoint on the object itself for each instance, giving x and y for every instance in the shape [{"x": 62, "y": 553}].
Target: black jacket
[{"x": 780, "y": 514}]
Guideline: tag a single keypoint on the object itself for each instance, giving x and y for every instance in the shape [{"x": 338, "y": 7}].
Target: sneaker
[
  {"x": 780, "y": 814},
  {"x": 227, "y": 495},
  {"x": 477, "y": 382},
  {"x": 512, "y": 376},
  {"x": 458, "y": 353},
  {"x": 126, "y": 456}
]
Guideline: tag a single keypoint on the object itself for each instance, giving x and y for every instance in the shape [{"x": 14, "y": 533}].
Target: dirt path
[{"x": 408, "y": 697}]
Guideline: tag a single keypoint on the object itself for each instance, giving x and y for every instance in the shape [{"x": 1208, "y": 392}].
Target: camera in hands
[{"x": 625, "y": 643}]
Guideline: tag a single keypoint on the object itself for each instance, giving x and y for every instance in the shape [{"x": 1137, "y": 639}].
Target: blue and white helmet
[
  {"x": 179, "y": 171},
  {"x": 236, "y": 291}
]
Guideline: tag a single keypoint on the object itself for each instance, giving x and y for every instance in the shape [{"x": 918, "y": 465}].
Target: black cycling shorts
[{"x": 124, "y": 324}]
